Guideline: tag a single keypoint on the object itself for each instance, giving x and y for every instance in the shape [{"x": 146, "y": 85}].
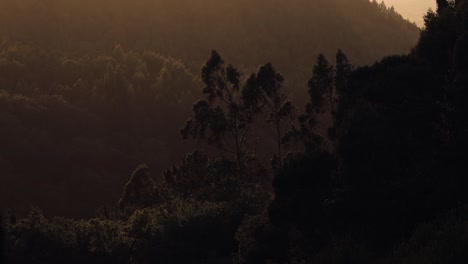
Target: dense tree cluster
[
  {"x": 76, "y": 121},
  {"x": 2, "y": 238},
  {"x": 90, "y": 89},
  {"x": 247, "y": 32},
  {"x": 371, "y": 170}
]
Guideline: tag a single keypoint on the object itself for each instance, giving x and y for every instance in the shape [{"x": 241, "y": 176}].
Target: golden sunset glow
[{"x": 414, "y": 10}]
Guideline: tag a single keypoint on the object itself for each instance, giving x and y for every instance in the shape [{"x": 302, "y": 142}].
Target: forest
[
  {"x": 183, "y": 131},
  {"x": 91, "y": 89}
]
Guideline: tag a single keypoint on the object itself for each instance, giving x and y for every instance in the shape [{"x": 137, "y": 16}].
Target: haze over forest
[
  {"x": 243, "y": 131},
  {"x": 92, "y": 89}
]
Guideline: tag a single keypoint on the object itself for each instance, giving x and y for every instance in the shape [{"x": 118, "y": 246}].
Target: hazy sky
[{"x": 412, "y": 9}]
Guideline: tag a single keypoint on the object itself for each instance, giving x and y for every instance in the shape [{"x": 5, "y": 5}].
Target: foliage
[
  {"x": 202, "y": 178},
  {"x": 389, "y": 188},
  {"x": 442, "y": 241},
  {"x": 263, "y": 92},
  {"x": 328, "y": 101},
  {"x": 228, "y": 114},
  {"x": 177, "y": 231},
  {"x": 2, "y": 237},
  {"x": 139, "y": 191},
  {"x": 222, "y": 112},
  {"x": 99, "y": 86},
  {"x": 260, "y": 241},
  {"x": 36, "y": 239},
  {"x": 77, "y": 116}
]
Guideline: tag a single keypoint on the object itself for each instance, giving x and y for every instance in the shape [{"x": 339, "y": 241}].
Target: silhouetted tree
[
  {"x": 261, "y": 242},
  {"x": 221, "y": 118},
  {"x": 438, "y": 37},
  {"x": 12, "y": 217},
  {"x": 321, "y": 92},
  {"x": 441, "y": 5},
  {"x": 302, "y": 189},
  {"x": 2, "y": 238},
  {"x": 264, "y": 91},
  {"x": 343, "y": 70},
  {"x": 461, "y": 54},
  {"x": 191, "y": 176},
  {"x": 139, "y": 191},
  {"x": 321, "y": 87},
  {"x": 456, "y": 111}
]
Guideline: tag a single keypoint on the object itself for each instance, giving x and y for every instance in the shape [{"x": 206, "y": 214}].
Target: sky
[{"x": 413, "y": 10}]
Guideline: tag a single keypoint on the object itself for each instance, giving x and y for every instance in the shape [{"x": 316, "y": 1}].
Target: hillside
[
  {"x": 90, "y": 89},
  {"x": 371, "y": 170},
  {"x": 288, "y": 33}
]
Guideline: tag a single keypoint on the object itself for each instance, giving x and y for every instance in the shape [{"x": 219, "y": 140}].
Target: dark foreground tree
[
  {"x": 328, "y": 97},
  {"x": 221, "y": 118},
  {"x": 2, "y": 238},
  {"x": 227, "y": 117},
  {"x": 139, "y": 192},
  {"x": 264, "y": 92},
  {"x": 442, "y": 5},
  {"x": 303, "y": 190},
  {"x": 343, "y": 96}
]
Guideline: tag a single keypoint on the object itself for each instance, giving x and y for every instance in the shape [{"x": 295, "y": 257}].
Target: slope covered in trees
[
  {"x": 386, "y": 184},
  {"x": 90, "y": 89},
  {"x": 289, "y": 34},
  {"x": 72, "y": 127}
]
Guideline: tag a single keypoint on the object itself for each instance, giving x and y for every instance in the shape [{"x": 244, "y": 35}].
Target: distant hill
[
  {"x": 287, "y": 33},
  {"x": 90, "y": 89}
]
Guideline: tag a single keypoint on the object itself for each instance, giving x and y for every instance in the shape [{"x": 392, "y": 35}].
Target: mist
[{"x": 91, "y": 90}]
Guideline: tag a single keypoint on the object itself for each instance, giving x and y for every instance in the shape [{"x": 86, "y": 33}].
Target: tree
[
  {"x": 343, "y": 70},
  {"x": 460, "y": 51},
  {"x": 191, "y": 176},
  {"x": 139, "y": 191},
  {"x": 226, "y": 116},
  {"x": 438, "y": 37},
  {"x": 321, "y": 86},
  {"x": 458, "y": 110},
  {"x": 260, "y": 242},
  {"x": 264, "y": 90},
  {"x": 221, "y": 117},
  {"x": 115, "y": 84},
  {"x": 441, "y": 5},
  {"x": 303, "y": 188},
  {"x": 321, "y": 93},
  {"x": 2, "y": 237}
]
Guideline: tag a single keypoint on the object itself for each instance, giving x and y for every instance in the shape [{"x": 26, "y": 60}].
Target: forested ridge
[
  {"x": 370, "y": 169},
  {"x": 89, "y": 90},
  {"x": 247, "y": 32}
]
